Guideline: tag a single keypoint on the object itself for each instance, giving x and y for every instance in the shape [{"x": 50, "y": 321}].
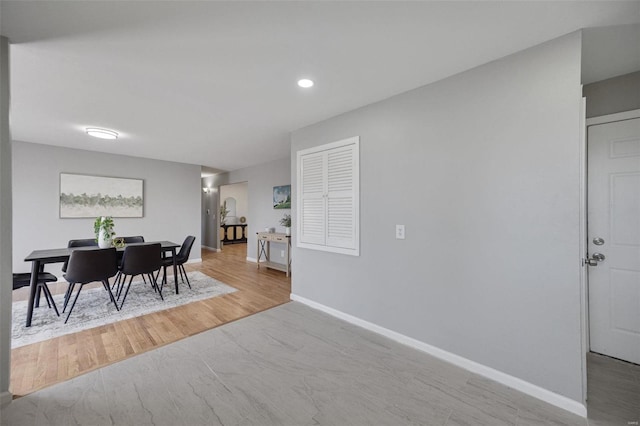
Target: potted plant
[
  {"x": 286, "y": 222},
  {"x": 103, "y": 228},
  {"x": 223, "y": 213}
]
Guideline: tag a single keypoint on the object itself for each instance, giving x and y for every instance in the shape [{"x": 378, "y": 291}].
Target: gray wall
[
  {"x": 482, "y": 168},
  {"x": 5, "y": 224},
  {"x": 211, "y": 201},
  {"x": 613, "y": 95},
  {"x": 260, "y": 182},
  {"x": 209, "y": 215},
  {"x": 171, "y": 198}
]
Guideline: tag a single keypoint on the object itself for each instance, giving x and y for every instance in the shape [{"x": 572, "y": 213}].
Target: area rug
[{"x": 94, "y": 308}]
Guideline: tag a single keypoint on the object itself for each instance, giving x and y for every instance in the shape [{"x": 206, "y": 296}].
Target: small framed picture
[{"x": 282, "y": 197}]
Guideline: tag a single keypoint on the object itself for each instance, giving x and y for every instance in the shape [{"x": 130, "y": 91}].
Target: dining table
[{"x": 39, "y": 258}]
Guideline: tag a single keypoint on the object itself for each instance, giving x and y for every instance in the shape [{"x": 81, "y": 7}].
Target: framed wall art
[
  {"x": 93, "y": 196},
  {"x": 282, "y": 197}
]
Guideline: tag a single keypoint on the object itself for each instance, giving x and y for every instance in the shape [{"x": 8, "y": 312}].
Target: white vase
[
  {"x": 103, "y": 241},
  {"x": 287, "y": 231}
]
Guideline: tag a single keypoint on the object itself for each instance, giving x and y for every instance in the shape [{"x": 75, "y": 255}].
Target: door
[{"x": 614, "y": 238}]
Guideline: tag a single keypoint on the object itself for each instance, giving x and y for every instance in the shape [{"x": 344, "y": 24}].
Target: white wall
[
  {"x": 171, "y": 198},
  {"x": 239, "y": 192},
  {"x": 5, "y": 225},
  {"x": 483, "y": 169}
]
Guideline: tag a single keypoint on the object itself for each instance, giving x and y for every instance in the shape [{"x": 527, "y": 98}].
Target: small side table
[{"x": 264, "y": 250}]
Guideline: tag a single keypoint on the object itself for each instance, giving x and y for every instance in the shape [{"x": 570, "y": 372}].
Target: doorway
[
  {"x": 234, "y": 214},
  {"x": 613, "y": 263}
]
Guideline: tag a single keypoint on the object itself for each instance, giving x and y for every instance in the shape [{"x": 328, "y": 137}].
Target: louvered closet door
[
  {"x": 341, "y": 198},
  {"x": 312, "y": 200}
]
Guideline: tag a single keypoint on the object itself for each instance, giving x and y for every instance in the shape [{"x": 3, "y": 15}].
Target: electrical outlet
[
  {"x": 400, "y": 232},
  {"x": 281, "y": 253}
]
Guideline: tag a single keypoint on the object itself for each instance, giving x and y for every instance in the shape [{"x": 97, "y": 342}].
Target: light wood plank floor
[{"x": 52, "y": 361}]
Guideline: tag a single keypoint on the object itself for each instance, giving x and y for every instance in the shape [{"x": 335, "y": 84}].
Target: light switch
[{"x": 400, "y": 232}]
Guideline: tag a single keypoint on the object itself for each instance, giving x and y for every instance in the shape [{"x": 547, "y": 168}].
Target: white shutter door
[
  {"x": 341, "y": 198},
  {"x": 311, "y": 227}
]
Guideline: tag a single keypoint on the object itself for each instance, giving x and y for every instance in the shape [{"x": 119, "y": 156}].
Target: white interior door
[{"x": 614, "y": 233}]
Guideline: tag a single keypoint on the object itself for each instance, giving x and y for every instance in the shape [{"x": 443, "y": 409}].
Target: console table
[
  {"x": 264, "y": 250},
  {"x": 231, "y": 234}
]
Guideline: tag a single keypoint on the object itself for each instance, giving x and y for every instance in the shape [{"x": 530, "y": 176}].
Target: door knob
[{"x": 595, "y": 259}]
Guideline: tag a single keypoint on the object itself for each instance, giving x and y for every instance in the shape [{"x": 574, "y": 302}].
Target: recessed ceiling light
[
  {"x": 305, "y": 82},
  {"x": 101, "y": 133}
]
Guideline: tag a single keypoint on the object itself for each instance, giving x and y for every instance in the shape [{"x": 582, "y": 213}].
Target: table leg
[
  {"x": 35, "y": 267},
  {"x": 175, "y": 268},
  {"x": 288, "y": 256}
]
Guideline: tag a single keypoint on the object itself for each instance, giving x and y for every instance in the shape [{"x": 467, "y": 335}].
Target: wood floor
[{"x": 52, "y": 361}]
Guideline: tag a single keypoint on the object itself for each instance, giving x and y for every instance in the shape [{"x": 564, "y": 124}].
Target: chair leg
[
  {"x": 117, "y": 280},
  {"x": 38, "y": 291},
  {"x": 126, "y": 292},
  {"x": 122, "y": 278},
  {"x": 164, "y": 278},
  {"x": 46, "y": 297},
  {"x": 180, "y": 273},
  {"x": 108, "y": 287},
  {"x": 49, "y": 297},
  {"x": 154, "y": 284},
  {"x": 186, "y": 277},
  {"x": 67, "y": 296},
  {"x": 74, "y": 303},
  {"x": 121, "y": 286}
]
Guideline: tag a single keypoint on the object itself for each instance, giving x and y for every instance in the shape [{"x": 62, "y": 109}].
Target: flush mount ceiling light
[
  {"x": 101, "y": 133},
  {"x": 305, "y": 83}
]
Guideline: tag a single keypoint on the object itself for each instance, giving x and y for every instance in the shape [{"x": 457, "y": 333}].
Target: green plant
[
  {"x": 286, "y": 221},
  {"x": 104, "y": 223},
  {"x": 223, "y": 212}
]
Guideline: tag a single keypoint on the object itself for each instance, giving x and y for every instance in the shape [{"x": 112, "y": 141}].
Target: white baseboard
[
  {"x": 251, "y": 259},
  {"x": 198, "y": 260},
  {"x": 211, "y": 249},
  {"x": 5, "y": 398},
  {"x": 488, "y": 372}
]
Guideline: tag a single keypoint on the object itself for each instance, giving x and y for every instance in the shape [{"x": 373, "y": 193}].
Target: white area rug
[{"x": 94, "y": 307}]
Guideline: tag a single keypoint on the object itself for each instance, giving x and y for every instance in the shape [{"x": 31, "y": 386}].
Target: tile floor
[{"x": 292, "y": 365}]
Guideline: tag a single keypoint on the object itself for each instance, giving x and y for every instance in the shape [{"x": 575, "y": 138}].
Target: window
[{"x": 328, "y": 197}]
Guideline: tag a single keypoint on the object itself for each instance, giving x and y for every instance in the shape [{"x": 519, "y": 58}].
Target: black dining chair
[
  {"x": 87, "y": 266},
  {"x": 132, "y": 240},
  {"x": 181, "y": 258},
  {"x": 85, "y": 242},
  {"x": 24, "y": 280},
  {"x": 128, "y": 240},
  {"x": 140, "y": 259}
]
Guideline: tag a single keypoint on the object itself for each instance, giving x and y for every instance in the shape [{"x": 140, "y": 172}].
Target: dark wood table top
[{"x": 62, "y": 254}]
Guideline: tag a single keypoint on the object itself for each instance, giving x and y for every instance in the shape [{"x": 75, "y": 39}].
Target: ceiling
[{"x": 214, "y": 83}]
